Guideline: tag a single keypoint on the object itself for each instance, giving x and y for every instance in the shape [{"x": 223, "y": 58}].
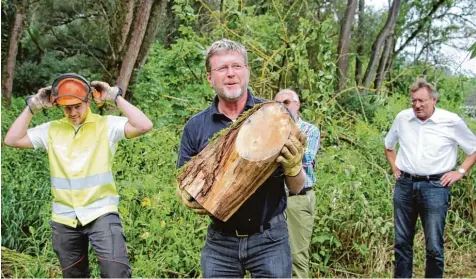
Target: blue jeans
[
  {"x": 264, "y": 255},
  {"x": 107, "y": 239},
  {"x": 430, "y": 201}
]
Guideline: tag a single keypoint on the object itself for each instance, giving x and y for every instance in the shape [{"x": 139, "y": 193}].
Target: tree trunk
[
  {"x": 379, "y": 42},
  {"x": 389, "y": 65},
  {"x": 119, "y": 19},
  {"x": 128, "y": 13},
  {"x": 15, "y": 35},
  {"x": 157, "y": 10},
  {"x": 135, "y": 43},
  {"x": 234, "y": 165},
  {"x": 344, "y": 41},
  {"x": 360, "y": 43},
  {"x": 383, "y": 62}
]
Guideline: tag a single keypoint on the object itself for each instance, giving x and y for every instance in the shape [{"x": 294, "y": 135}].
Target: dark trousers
[
  {"x": 107, "y": 239},
  {"x": 430, "y": 201},
  {"x": 265, "y": 255}
]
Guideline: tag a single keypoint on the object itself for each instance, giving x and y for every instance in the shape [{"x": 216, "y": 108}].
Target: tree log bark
[{"x": 234, "y": 165}]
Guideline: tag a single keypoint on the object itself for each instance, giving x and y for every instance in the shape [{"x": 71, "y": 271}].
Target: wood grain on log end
[{"x": 264, "y": 133}]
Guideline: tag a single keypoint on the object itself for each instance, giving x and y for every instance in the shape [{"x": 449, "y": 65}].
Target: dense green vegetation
[
  {"x": 354, "y": 227},
  {"x": 353, "y": 235}
]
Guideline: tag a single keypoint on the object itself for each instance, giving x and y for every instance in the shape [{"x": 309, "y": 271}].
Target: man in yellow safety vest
[{"x": 80, "y": 150}]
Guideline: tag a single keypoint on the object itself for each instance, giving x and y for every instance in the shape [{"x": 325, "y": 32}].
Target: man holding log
[
  {"x": 300, "y": 210},
  {"x": 255, "y": 238}
]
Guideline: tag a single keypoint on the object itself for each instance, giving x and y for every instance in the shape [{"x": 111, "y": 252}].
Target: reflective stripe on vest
[{"x": 82, "y": 184}]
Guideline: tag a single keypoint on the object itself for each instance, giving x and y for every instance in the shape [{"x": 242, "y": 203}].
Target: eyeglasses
[
  {"x": 224, "y": 69},
  {"x": 286, "y": 102},
  {"x": 416, "y": 101}
]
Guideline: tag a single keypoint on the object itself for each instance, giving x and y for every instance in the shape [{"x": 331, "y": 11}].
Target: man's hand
[
  {"x": 40, "y": 100},
  {"x": 107, "y": 94},
  {"x": 397, "y": 173},
  {"x": 450, "y": 178},
  {"x": 190, "y": 202},
  {"x": 291, "y": 155}
]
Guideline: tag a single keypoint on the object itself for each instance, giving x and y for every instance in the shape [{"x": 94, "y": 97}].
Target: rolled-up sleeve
[{"x": 464, "y": 137}]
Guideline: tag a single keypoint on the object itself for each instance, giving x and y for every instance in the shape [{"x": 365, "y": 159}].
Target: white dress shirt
[{"x": 431, "y": 146}]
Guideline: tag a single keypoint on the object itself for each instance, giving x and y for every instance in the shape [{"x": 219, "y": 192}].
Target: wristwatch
[
  {"x": 119, "y": 93},
  {"x": 462, "y": 171}
]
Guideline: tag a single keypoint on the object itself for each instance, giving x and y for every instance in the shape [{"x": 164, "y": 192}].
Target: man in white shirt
[{"x": 429, "y": 139}]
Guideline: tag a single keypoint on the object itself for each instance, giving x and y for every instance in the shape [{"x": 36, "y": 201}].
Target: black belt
[
  {"x": 249, "y": 231},
  {"x": 422, "y": 177},
  {"x": 303, "y": 192}
]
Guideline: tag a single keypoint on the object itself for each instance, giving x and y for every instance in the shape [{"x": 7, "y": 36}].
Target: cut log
[{"x": 239, "y": 160}]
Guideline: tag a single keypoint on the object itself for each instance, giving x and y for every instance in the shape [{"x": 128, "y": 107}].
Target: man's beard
[{"x": 231, "y": 95}]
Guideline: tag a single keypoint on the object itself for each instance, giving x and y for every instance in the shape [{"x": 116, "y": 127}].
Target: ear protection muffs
[{"x": 55, "y": 86}]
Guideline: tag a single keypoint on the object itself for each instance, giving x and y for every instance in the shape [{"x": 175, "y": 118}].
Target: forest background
[{"x": 351, "y": 64}]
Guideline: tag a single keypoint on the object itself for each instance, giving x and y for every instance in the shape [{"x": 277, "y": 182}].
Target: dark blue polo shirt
[{"x": 270, "y": 198}]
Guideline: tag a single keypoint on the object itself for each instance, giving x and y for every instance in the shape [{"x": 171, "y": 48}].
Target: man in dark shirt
[{"x": 255, "y": 238}]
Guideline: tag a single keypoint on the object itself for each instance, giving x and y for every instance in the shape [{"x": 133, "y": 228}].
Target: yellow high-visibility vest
[{"x": 82, "y": 184}]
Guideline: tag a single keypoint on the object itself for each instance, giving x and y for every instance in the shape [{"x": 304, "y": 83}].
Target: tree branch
[
  {"x": 35, "y": 41},
  {"x": 421, "y": 25},
  {"x": 69, "y": 20}
]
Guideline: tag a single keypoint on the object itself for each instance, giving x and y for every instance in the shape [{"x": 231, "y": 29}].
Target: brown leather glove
[
  {"x": 108, "y": 94},
  {"x": 292, "y": 154},
  {"x": 40, "y": 100},
  {"x": 190, "y": 202}
]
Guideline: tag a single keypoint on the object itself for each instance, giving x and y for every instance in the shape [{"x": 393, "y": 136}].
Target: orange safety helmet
[{"x": 70, "y": 89}]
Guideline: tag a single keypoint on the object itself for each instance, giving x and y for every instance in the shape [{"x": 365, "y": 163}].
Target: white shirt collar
[{"x": 435, "y": 117}]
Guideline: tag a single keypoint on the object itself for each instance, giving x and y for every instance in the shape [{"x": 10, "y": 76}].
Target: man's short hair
[
  {"x": 224, "y": 45},
  {"x": 422, "y": 83}
]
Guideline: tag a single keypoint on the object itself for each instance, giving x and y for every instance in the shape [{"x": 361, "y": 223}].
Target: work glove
[
  {"x": 190, "y": 202},
  {"x": 107, "y": 94},
  {"x": 40, "y": 100},
  {"x": 292, "y": 154}
]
